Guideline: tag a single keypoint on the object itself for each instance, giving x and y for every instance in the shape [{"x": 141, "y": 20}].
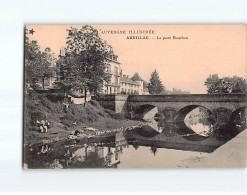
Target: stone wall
[{"x": 117, "y": 103}]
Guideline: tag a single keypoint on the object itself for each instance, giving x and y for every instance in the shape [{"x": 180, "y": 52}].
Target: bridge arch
[
  {"x": 144, "y": 111},
  {"x": 181, "y": 113},
  {"x": 189, "y": 134}
]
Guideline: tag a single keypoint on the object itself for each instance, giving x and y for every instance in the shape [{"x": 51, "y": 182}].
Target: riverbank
[
  {"x": 61, "y": 132},
  {"x": 230, "y": 155},
  {"x": 65, "y": 120}
]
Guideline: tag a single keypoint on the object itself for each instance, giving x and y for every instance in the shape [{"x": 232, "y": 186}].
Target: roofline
[
  {"x": 130, "y": 83},
  {"x": 113, "y": 60}
]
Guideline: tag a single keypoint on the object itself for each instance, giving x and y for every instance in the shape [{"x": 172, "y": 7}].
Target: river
[{"x": 157, "y": 145}]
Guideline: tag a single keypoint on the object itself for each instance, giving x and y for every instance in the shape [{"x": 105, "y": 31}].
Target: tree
[
  {"x": 155, "y": 86},
  {"x": 37, "y": 63},
  {"x": 136, "y": 145},
  {"x": 154, "y": 150},
  {"x": 175, "y": 91},
  {"x": 84, "y": 64},
  {"x": 218, "y": 85}
]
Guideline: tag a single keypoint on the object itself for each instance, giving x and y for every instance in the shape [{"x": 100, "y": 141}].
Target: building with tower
[{"x": 114, "y": 71}]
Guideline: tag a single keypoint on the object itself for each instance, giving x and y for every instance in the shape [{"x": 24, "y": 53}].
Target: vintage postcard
[{"x": 134, "y": 96}]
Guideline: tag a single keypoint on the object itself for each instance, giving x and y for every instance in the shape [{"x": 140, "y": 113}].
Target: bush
[
  {"x": 68, "y": 119},
  {"x": 37, "y": 116},
  {"x": 81, "y": 114},
  {"x": 114, "y": 115},
  {"x": 55, "y": 97},
  {"x": 101, "y": 111},
  {"x": 96, "y": 104},
  {"x": 54, "y": 107}
]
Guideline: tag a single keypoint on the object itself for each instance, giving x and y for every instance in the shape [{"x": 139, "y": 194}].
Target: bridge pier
[
  {"x": 222, "y": 115},
  {"x": 117, "y": 103},
  {"x": 170, "y": 114}
]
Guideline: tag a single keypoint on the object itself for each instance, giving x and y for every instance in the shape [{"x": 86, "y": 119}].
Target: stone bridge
[{"x": 176, "y": 107}]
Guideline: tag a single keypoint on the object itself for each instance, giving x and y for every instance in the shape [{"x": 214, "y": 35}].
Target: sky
[{"x": 181, "y": 63}]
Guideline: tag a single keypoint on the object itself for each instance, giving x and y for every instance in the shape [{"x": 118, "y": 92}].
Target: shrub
[
  {"x": 114, "y": 115},
  {"x": 31, "y": 119},
  {"x": 96, "y": 104},
  {"x": 55, "y": 97},
  {"x": 68, "y": 119},
  {"x": 81, "y": 114},
  {"x": 55, "y": 107}
]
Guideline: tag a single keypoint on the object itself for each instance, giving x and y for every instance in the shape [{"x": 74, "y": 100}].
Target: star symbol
[{"x": 31, "y": 31}]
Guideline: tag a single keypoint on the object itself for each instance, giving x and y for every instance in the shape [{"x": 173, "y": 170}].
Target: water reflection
[
  {"x": 202, "y": 129},
  {"x": 187, "y": 129},
  {"x": 159, "y": 144}
]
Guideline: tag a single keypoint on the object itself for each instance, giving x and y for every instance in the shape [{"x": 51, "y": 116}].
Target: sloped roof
[
  {"x": 127, "y": 80},
  {"x": 136, "y": 77}
]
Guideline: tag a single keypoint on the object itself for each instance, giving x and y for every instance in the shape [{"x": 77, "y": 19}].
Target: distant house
[
  {"x": 134, "y": 85},
  {"x": 128, "y": 86}
]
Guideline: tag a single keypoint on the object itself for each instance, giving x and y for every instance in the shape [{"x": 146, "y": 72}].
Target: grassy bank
[{"x": 66, "y": 120}]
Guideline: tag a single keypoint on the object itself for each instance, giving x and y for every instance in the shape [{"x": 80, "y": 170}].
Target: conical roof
[{"x": 136, "y": 77}]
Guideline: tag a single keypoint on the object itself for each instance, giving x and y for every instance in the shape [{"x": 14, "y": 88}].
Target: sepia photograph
[{"x": 134, "y": 96}]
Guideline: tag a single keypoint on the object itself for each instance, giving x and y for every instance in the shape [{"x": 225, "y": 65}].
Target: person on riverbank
[
  {"x": 42, "y": 125},
  {"x": 46, "y": 126},
  {"x": 39, "y": 125}
]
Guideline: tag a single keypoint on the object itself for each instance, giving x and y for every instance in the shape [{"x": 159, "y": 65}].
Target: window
[
  {"x": 116, "y": 80},
  {"x": 115, "y": 70}
]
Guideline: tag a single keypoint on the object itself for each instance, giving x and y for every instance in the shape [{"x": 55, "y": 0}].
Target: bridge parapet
[{"x": 189, "y": 98}]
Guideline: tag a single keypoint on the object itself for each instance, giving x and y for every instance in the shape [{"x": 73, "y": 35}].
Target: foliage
[
  {"x": 40, "y": 107},
  {"x": 37, "y": 63},
  {"x": 135, "y": 145},
  {"x": 54, "y": 165},
  {"x": 233, "y": 84},
  {"x": 96, "y": 104},
  {"x": 92, "y": 160},
  {"x": 83, "y": 66},
  {"x": 51, "y": 106},
  {"x": 113, "y": 114},
  {"x": 80, "y": 114},
  {"x": 176, "y": 91},
  {"x": 154, "y": 150},
  {"x": 155, "y": 86}
]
